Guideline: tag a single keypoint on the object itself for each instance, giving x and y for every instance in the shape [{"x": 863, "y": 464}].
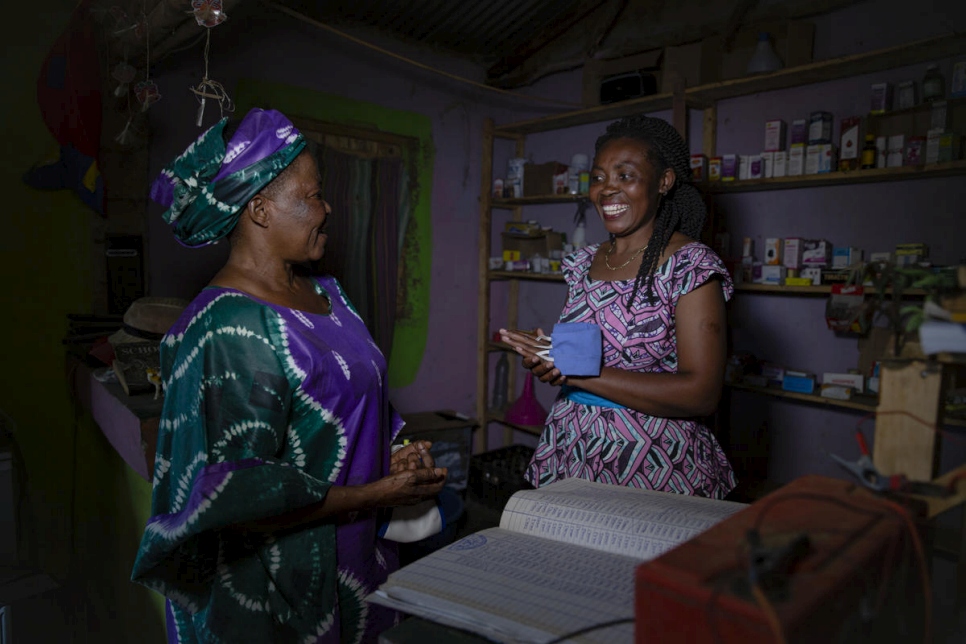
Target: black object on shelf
[{"x": 496, "y": 475}]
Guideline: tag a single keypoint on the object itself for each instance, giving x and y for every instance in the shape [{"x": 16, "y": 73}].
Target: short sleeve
[
  {"x": 576, "y": 265},
  {"x": 695, "y": 265},
  {"x": 224, "y": 422}
]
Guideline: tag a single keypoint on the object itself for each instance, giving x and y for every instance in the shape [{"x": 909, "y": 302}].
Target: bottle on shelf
[
  {"x": 869, "y": 152},
  {"x": 933, "y": 85},
  {"x": 580, "y": 163},
  {"x": 764, "y": 59},
  {"x": 500, "y": 383},
  {"x": 579, "y": 237}
]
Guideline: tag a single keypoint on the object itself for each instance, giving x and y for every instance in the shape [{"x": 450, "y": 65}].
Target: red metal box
[{"x": 851, "y": 581}]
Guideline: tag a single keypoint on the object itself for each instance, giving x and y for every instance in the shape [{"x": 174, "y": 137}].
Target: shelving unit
[{"x": 703, "y": 97}]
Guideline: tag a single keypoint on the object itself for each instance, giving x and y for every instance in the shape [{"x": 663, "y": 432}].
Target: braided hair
[{"x": 682, "y": 208}]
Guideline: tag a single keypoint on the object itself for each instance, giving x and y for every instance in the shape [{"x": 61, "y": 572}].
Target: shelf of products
[
  {"x": 700, "y": 97},
  {"x": 703, "y": 96},
  {"x": 905, "y": 173},
  {"x": 862, "y": 403},
  {"x": 824, "y": 289}
]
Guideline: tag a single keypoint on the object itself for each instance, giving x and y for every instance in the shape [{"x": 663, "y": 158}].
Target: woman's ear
[
  {"x": 667, "y": 181},
  {"x": 257, "y": 212}
]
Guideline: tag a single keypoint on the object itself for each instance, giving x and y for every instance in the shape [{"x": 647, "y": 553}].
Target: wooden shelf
[
  {"x": 532, "y": 201},
  {"x": 870, "y": 62},
  {"x": 857, "y": 403},
  {"x": 497, "y": 417},
  {"x": 921, "y": 108},
  {"x": 905, "y": 173},
  {"x": 824, "y": 289},
  {"x": 706, "y": 95},
  {"x": 596, "y": 114},
  {"x": 525, "y": 275}
]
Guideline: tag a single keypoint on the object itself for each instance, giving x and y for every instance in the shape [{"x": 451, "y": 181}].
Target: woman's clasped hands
[{"x": 413, "y": 476}]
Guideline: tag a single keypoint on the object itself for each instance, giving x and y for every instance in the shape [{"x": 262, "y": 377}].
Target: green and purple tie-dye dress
[
  {"x": 265, "y": 408},
  {"x": 619, "y": 445}
]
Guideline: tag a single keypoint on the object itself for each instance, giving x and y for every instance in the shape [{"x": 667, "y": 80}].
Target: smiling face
[
  {"x": 626, "y": 188},
  {"x": 299, "y": 212}
]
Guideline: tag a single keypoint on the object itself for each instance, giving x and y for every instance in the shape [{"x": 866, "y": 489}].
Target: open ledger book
[{"x": 563, "y": 559}]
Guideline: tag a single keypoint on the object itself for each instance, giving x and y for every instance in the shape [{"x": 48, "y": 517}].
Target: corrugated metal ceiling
[{"x": 482, "y": 29}]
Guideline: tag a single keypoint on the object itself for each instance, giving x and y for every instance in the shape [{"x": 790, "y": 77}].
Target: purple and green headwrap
[{"x": 206, "y": 187}]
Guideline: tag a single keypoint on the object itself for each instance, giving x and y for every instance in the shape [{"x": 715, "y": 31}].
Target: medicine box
[
  {"x": 796, "y": 161},
  {"x": 881, "y": 98},
  {"x": 816, "y": 252},
  {"x": 792, "y": 252},
  {"x": 845, "y": 256},
  {"x": 799, "y": 383},
  {"x": 797, "y": 281},
  {"x": 768, "y": 164},
  {"x": 906, "y": 95},
  {"x": 773, "y": 251},
  {"x": 881, "y": 151},
  {"x": 799, "y": 132},
  {"x": 895, "y": 150},
  {"x": 853, "y": 380},
  {"x": 714, "y": 169},
  {"x": 820, "y": 128},
  {"x": 699, "y": 167},
  {"x": 743, "y": 167},
  {"x": 849, "y": 143},
  {"x": 774, "y": 135},
  {"x": 773, "y": 372},
  {"x": 836, "y": 392},
  {"x": 814, "y": 274},
  {"x": 884, "y": 257},
  {"x": 933, "y": 138},
  {"x": 819, "y": 159},
  {"x": 957, "y": 86},
  {"x": 950, "y": 147},
  {"x": 915, "y": 150},
  {"x": 773, "y": 274},
  {"x": 729, "y": 167},
  {"x": 755, "y": 169},
  {"x": 780, "y": 167}
]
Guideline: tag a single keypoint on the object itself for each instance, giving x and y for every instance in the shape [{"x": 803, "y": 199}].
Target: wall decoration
[{"x": 209, "y": 14}]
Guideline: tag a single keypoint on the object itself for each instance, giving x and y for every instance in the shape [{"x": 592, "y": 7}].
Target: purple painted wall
[{"x": 284, "y": 51}]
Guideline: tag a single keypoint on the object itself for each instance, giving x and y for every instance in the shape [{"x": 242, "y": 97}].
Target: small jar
[{"x": 933, "y": 85}]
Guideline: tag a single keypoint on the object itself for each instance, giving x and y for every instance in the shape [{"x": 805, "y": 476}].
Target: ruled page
[
  {"x": 517, "y": 588},
  {"x": 627, "y": 521}
]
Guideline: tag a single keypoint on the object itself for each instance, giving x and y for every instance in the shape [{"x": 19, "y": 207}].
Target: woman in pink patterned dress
[{"x": 658, "y": 297}]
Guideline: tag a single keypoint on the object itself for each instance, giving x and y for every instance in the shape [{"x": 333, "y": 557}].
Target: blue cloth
[
  {"x": 586, "y": 398},
  {"x": 576, "y": 348}
]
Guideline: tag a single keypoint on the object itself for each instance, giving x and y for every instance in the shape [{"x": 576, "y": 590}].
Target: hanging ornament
[
  {"x": 207, "y": 88},
  {"x": 147, "y": 94},
  {"x": 208, "y": 13},
  {"x": 125, "y": 136},
  {"x": 124, "y": 74}
]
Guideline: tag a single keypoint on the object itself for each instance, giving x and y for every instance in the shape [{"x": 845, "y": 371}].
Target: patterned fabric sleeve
[
  {"x": 225, "y": 421},
  {"x": 696, "y": 265},
  {"x": 575, "y": 265}
]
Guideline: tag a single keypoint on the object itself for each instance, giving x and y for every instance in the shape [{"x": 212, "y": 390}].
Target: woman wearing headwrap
[{"x": 273, "y": 469}]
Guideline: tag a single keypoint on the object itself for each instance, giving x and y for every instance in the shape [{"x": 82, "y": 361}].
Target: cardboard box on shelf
[
  {"x": 529, "y": 246},
  {"x": 538, "y": 178}
]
